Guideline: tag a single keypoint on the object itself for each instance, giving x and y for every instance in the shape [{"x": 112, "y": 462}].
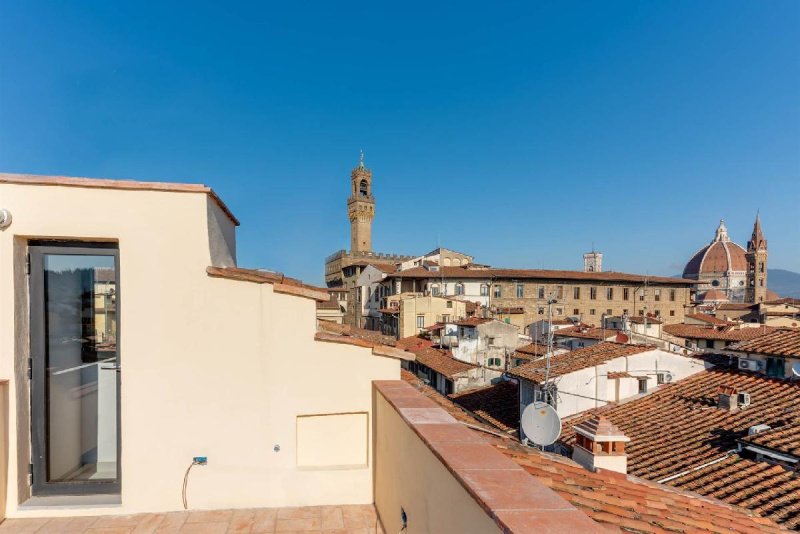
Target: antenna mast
[{"x": 548, "y": 386}]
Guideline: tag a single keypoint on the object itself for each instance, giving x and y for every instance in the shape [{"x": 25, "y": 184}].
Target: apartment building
[
  {"x": 408, "y": 314},
  {"x": 586, "y": 296}
]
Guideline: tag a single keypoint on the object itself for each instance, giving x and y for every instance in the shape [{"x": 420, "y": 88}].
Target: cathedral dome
[{"x": 718, "y": 257}]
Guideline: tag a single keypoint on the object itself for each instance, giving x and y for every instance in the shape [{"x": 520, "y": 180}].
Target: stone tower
[
  {"x": 757, "y": 265},
  {"x": 361, "y": 208},
  {"x": 593, "y": 262}
]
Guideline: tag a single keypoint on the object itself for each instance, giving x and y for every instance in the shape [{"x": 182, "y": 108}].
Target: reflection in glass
[{"x": 81, "y": 352}]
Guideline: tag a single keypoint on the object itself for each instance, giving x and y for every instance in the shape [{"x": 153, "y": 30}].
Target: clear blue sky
[{"x": 519, "y": 133}]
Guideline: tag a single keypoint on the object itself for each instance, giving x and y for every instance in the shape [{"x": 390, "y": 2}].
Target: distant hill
[{"x": 784, "y": 283}]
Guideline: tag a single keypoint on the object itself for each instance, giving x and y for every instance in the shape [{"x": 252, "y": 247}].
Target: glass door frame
[{"x": 38, "y": 383}]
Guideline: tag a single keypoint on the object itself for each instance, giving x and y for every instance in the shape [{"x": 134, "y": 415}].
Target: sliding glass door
[{"x": 75, "y": 368}]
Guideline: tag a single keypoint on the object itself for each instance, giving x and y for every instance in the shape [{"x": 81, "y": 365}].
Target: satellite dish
[
  {"x": 796, "y": 369},
  {"x": 540, "y": 423}
]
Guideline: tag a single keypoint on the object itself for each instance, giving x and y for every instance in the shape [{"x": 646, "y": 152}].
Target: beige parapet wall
[
  {"x": 211, "y": 366},
  {"x": 447, "y": 478}
]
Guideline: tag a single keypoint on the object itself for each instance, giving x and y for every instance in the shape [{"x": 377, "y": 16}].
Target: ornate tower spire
[
  {"x": 361, "y": 208},
  {"x": 757, "y": 264}
]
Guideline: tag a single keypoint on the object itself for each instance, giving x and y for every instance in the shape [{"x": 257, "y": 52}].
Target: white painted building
[{"x": 598, "y": 375}]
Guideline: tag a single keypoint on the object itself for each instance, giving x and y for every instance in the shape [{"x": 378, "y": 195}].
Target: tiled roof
[
  {"x": 473, "y": 321},
  {"x": 706, "y": 318},
  {"x": 371, "y": 336},
  {"x": 784, "y": 300},
  {"x": 530, "y": 351},
  {"x": 498, "y": 404},
  {"x": 718, "y": 257},
  {"x": 280, "y": 282},
  {"x": 736, "y": 306},
  {"x": 619, "y": 374},
  {"x": 640, "y": 319},
  {"x": 778, "y": 342},
  {"x": 690, "y": 331},
  {"x": 127, "y": 185},
  {"x": 412, "y": 343},
  {"x": 584, "y": 332},
  {"x": 679, "y": 428},
  {"x": 569, "y": 362},
  {"x": 442, "y": 362},
  {"x": 616, "y": 501},
  {"x": 784, "y": 439},
  {"x": 538, "y": 274}
]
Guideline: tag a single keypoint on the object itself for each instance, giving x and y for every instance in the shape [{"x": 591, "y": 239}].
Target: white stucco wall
[
  {"x": 591, "y": 388},
  {"x": 210, "y": 366}
]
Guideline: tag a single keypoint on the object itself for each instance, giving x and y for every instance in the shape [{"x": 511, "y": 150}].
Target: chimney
[
  {"x": 728, "y": 398},
  {"x": 599, "y": 444}
]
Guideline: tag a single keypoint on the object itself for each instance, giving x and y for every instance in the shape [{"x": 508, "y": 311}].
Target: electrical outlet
[{"x": 200, "y": 460}]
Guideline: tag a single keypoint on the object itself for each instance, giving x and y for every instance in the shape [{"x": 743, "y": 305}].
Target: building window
[
  {"x": 435, "y": 290},
  {"x": 559, "y": 292},
  {"x": 641, "y": 294},
  {"x": 672, "y": 313},
  {"x": 657, "y": 293},
  {"x": 420, "y": 321},
  {"x": 541, "y": 292},
  {"x": 490, "y": 341},
  {"x": 445, "y": 318},
  {"x": 625, "y": 293},
  {"x": 591, "y": 312},
  {"x": 658, "y": 313},
  {"x": 609, "y": 311},
  {"x": 625, "y": 311},
  {"x": 576, "y": 311},
  {"x": 540, "y": 310},
  {"x": 559, "y": 311},
  {"x": 459, "y": 288},
  {"x": 761, "y": 267},
  {"x": 519, "y": 291},
  {"x": 593, "y": 293},
  {"x": 494, "y": 362},
  {"x": 576, "y": 292},
  {"x": 672, "y": 295},
  {"x": 498, "y": 292},
  {"x": 449, "y": 303},
  {"x": 643, "y": 385},
  {"x": 484, "y": 290},
  {"x": 610, "y": 293},
  {"x": 641, "y": 313}
]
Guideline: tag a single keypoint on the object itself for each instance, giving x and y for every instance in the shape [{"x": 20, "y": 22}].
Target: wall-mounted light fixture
[{"x": 5, "y": 218}]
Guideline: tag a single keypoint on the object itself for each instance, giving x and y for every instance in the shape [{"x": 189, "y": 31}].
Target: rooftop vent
[
  {"x": 728, "y": 398},
  {"x": 756, "y": 429}
]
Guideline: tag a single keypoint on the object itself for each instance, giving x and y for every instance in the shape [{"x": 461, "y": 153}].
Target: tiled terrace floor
[{"x": 357, "y": 519}]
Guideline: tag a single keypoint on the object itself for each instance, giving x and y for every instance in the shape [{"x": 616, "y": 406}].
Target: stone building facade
[{"x": 586, "y": 296}]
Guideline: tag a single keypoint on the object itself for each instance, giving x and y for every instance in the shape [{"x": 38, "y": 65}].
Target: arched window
[
  {"x": 363, "y": 188},
  {"x": 459, "y": 288}
]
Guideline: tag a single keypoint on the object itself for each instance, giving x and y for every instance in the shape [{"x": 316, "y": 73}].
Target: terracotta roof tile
[
  {"x": 679, "y": 428},
  {"x": 706, "y": 318},
  {"x": 531, "y": 351},
  {"x": 442, "y": 362},
  {"x": 498, "y": 404},
  {"x": 538, "y": 274},
  {"x": 586, "y": 332},
  {"x": 778, "y": 342},
  {"x": 784, "y": 439},
  {"x": 569, "y": 362},
  {"x": 731, "y": 333},
  {"x": 280, "y": 282},
  {"x": 610, "y": 499}
]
